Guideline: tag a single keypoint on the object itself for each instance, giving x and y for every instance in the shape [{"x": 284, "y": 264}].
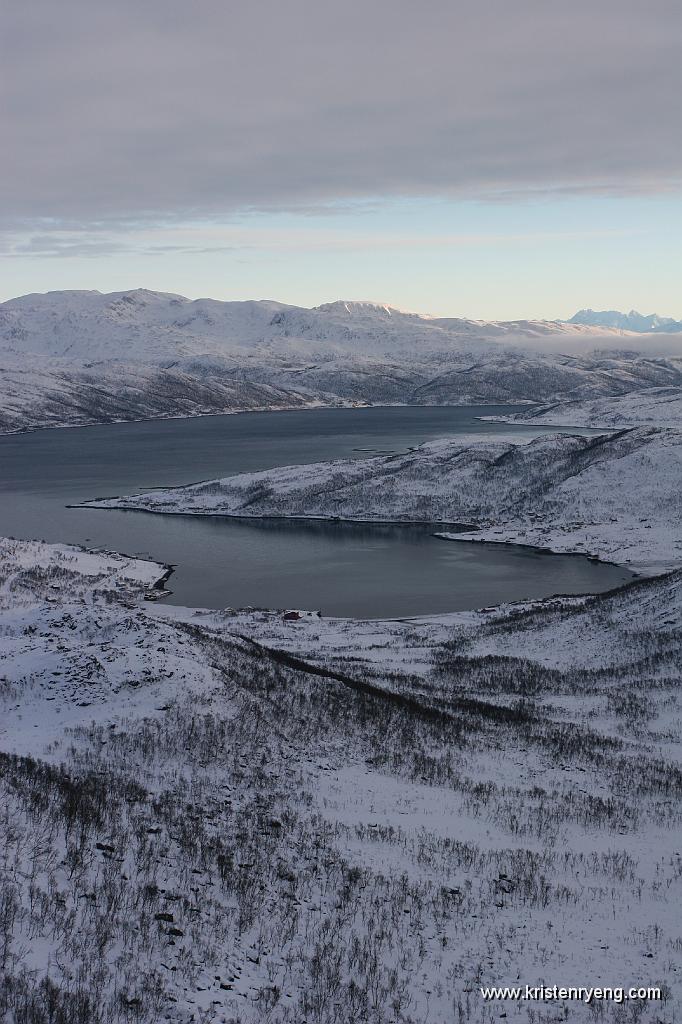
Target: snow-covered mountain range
[
  {"x": 81, "y": 357},
  {"x": 142, "y": 325},
  {"x": 642, "y": 323}
]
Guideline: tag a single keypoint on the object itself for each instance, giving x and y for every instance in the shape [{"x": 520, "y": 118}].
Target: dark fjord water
[{"x": 342, "y": 569}]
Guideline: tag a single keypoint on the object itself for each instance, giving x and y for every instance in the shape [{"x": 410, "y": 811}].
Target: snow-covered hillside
[
  {"x": 617, "y": 496},
  {"x": 222, "y": 817},
  {"x": 655, "y": 406},
  {"x": 37, "y": 393},
  {"x": 82, "y": 357}
]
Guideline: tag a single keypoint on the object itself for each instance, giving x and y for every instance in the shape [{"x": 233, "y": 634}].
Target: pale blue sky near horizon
[
  {"x": 487, "y": 260},
  {"x": 489, "y": 160}
]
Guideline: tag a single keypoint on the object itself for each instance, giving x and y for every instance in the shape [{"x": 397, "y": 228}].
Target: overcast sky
[{"x": 489, "y": 157}]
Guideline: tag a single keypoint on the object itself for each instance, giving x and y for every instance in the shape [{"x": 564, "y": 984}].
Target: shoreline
[
  {"x": 465, "y": 527},
  {"x": 590, "y": 556},
  {"x": 174, "y": 416},
  {"x": 430, "y": 525},
  {"x": 158, "y": 585},
  {"x": 306, "y": 407}
]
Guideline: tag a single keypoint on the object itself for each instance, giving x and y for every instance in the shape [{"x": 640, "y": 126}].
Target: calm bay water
[{"x": 342, "y": 569}]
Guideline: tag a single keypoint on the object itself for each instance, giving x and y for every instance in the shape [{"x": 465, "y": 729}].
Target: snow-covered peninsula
[
  {"x": 616, "y": 496},
  {"x": 653, "y": 406}
]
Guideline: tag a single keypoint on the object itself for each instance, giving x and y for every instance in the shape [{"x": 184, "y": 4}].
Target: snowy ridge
[
  {"x": 148, "y": 326},
  {"x": 643, "y": 323},
  {"x": 616, "y": 496}
]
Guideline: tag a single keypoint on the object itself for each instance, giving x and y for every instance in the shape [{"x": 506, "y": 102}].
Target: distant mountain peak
[
  {"x": 355, "y": 306},
  {"x": 641, "y": 323}
]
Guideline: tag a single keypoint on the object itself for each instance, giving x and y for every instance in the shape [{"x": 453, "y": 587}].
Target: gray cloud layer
[{"x": 125, "y": 109}]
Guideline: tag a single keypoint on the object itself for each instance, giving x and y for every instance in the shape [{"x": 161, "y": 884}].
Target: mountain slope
[
  {"x": 218, "y": 817},
  {"x": 38, "y": 394}
]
